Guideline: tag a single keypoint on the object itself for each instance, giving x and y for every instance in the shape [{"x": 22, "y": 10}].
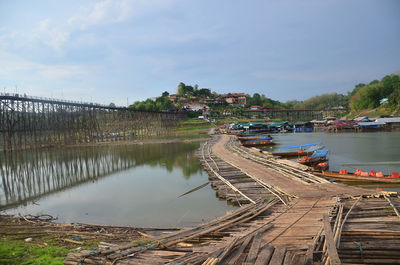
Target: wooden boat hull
[
  {"x": 257, "y": 143},
  {"x": 254, "y": 138},
  {"x": 290, "y": 154},
  {"x": 311, "y": 161},
  {"x": 353, "y": 177}
]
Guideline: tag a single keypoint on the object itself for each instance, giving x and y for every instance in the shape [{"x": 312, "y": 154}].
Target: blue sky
[{"x": 110, "y": 50}]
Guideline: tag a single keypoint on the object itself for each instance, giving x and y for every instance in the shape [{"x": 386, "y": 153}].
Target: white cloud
[
  {"x": 114, "y": 11},
  {"x": 51, "y": 35},
  {"x": 15, "y": 67}
]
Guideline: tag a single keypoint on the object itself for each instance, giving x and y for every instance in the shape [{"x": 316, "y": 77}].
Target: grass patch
[
  {"x": 194, "y": 125},
  {"x": 19, "y": 252}
]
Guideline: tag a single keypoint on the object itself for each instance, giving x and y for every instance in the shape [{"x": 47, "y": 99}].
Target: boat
[
  {"x": 291, "y": 154},
  {"x": 319, "y": 156},
  {"x": 257, "y": 142},
  {"x": 234, "y": 132},
  {"x": 323, "y": 166},
  {"x": 300, "y": 152},
  {"x": 255, "y": 137},
  {"x": 344, "y": 175},
  {"x": 310, "y": 160}
]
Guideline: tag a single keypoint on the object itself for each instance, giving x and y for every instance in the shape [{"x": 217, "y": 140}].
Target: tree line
[
  {"x": 368, "y": 96},
  {"x": 363, "y": 96}
]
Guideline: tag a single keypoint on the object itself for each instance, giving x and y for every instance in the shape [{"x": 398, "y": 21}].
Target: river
[
  {"x": 135, "y": 185},
  {"x": 379, "y": 151},
  {"x": 139, "y": 185}
]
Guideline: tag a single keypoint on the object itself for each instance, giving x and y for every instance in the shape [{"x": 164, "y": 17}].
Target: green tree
[{"x": 181, "y": 89}]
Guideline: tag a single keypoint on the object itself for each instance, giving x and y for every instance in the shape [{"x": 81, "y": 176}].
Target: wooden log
[
  {"x": 330, "y": 243},
  {"x": 344, "y": 220},
  {"x": 239, "y": 251}
]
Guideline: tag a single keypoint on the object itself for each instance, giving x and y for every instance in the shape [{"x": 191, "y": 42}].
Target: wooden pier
[{"x": 287, "y": 216}]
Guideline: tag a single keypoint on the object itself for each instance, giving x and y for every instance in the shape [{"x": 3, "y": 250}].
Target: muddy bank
[{"x": 79, "y": 235}]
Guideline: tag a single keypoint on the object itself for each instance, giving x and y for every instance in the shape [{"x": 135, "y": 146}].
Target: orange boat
[{"x": 362, "y": 176}]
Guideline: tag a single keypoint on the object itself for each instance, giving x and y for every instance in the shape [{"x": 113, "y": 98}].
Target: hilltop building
[{"x": 234, "y": 98}]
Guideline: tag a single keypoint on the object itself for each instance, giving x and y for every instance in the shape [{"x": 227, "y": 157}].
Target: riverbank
[{"x": 28, "y": 240}]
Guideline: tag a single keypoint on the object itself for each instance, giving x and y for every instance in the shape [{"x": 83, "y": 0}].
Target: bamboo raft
[{"x": 363, "y": 230}]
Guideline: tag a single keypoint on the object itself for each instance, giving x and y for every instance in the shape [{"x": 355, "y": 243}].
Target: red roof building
[{"x": 234, "y": 98}]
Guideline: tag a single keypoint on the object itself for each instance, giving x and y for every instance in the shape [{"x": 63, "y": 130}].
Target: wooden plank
[
  {"x": 330, "y": 243},
  {"x": 255, "y": 246},
  {"x": 309, "y": 256},
  {"x": 288, "y": 257},
  {"x": 265, "y": 255},
  {"x": 239, "y": 251},
  {"x": 393, "y": 206},
  {"x": 278, "y": 256}
]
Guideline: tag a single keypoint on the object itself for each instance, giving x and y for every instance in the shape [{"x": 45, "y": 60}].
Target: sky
[{"x": 127, "y": 50}]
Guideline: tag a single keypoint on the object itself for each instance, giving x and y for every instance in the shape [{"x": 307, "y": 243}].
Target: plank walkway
[{"x": 287, "y": 216}]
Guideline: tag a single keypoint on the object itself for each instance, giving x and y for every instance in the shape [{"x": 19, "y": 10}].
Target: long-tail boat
[
  {"x": 319, "y": 156},
  {"x": 299, "y": 152},
  {"x": 257, "y": 142},
  {"x": 344, "y": 175},
  {"x": 255, "y": 137}
]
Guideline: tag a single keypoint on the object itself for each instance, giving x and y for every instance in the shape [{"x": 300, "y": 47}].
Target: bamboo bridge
[
  {"x": 287, "y": 216},
  {"x": 28, "y": 122}
]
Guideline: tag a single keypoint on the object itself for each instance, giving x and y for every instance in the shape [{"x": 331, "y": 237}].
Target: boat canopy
[
  {"x": 320, "y": 153},
  {"x": 299, "y": 146}
]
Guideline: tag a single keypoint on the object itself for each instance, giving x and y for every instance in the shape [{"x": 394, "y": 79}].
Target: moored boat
[
  {"x": 255, "y": 137},
  {"x": 321, "y": 167},
  {"x": 319, "y": 156},
  {"x": 291, "y": 154},
  {"x": 300, "y": 152},
  {"x": 344, "y": 175},
  {"x": 311, "y": 160},
  {"x": 257, "y": 143}
]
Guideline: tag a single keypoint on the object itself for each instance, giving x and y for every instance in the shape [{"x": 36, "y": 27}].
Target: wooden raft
[{"x": 363, "y": 230}]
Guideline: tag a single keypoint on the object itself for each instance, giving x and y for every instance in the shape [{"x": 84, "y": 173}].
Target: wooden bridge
[
  {"x": 287, "y": 216},
  {"x": 296, "y": 114},
  {"x": 27, "y": 121}
]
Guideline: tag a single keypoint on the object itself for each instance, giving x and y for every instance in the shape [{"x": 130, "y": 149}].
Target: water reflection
[{"x": 30, "y": 175}]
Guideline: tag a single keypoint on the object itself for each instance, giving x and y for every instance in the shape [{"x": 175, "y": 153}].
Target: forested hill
[
  {"x": 373, "y": 95},
  {"x": 362, "y": 99}
]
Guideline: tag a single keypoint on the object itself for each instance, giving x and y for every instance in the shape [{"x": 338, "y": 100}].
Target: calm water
[
  {"x": 139, "y": 185},
  {"x": 134, "y": 185},
  {"x": 353, "y": 150}
]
